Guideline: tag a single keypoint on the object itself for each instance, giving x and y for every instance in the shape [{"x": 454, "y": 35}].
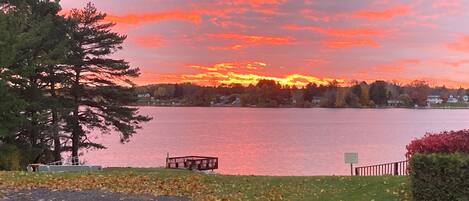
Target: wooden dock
[{"x": 200, "y": 163}]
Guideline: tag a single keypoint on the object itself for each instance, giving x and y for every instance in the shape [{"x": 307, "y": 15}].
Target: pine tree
[
  {"x": 32, "y": 55},
  {"x": 98, "y": 93}
]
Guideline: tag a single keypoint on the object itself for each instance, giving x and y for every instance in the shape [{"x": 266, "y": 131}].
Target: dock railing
[
  {"x": 192, "y": 163},
  {"x": 397, "y": 169}
]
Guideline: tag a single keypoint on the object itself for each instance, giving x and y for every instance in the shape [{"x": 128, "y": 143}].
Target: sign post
[{"x": 351, "y": 158}]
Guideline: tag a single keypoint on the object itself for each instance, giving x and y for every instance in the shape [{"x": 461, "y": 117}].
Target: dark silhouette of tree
[
  {"x": 98, "y": 93},
  {"x": 35, "y": 45},
  {"x": 378, "y": 93}
]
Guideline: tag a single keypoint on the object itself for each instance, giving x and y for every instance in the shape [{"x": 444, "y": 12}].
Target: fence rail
[
  {"x": 68, "y": 161},
  {"x": 396, "y": 168}
]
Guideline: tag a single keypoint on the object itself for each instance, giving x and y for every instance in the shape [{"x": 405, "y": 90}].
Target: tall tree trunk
[
  {"x": 34, "y": 128},
  {"x": 76, "y": 128},
  {"x": 55, "y": 129},
  {"x": 55, "y": 133},
  {"x": 76, "y": 132}
]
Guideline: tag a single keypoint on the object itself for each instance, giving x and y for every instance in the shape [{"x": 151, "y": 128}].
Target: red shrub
[{"x": 445, "y": 142}]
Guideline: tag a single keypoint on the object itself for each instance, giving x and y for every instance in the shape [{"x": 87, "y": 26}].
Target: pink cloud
[
  {"x": 245, "y": 40},
  {"x": 461, "y": 45},
  {"x": 148, "y": 41},
  {"x": 447, "y": 4},
  {"x": 349, "y": 42},
  {"x": 384, "y": 14},
  {"x": 454, "y": 63},
  {"x": 396, "y": 67},
  {"x": 140, "y": 18},
  {"x": 365, "y": 31},
  {"x": 225, "y": 66}
]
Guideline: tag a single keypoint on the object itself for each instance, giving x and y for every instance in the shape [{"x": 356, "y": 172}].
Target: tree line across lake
[
  {"x": 58, "y": 82},
  {"x": 268, "y": 93}
]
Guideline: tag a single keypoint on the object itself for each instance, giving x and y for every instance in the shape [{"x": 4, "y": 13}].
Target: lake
[{"x": 287, "y": 141}]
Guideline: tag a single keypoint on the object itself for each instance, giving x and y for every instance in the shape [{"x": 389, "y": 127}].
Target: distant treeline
[{"x": 268, "y": 93}]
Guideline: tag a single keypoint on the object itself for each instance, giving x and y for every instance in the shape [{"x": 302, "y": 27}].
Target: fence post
[
  {"x": 356, "y": 172},
  {"x": 396, "y": 168}
]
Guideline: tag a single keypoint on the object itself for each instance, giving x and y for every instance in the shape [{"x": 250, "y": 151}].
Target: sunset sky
[{"x": 292, "y": 41}]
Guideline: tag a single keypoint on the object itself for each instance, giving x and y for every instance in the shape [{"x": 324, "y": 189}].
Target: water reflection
[{"x": 276, "y": 141}]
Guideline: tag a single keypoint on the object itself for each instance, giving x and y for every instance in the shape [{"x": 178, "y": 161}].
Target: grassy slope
[{"x": 214, "y": 187}]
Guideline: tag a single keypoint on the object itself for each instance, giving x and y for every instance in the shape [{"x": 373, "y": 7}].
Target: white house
[
  {"x": 145, "y": 95},
  {"x": 394, "y": 102},
  {"x": 434, "y": 99},
  {"x": 316, "y": 100},
  {"x": 452, "y": 99}
]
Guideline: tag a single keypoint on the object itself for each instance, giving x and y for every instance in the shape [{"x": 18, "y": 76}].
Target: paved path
[{"x": 88, "y": 195}]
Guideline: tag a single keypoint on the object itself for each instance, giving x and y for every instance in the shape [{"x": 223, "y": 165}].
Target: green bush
[
  {"x": 440, "y": 177},
  {"x": 10, "y": 157}
]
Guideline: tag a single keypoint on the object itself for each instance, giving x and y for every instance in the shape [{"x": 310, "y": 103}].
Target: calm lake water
[{"x": 259, "y": 141}]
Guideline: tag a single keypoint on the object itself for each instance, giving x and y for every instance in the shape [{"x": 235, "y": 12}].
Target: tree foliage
[{"x": 57, "y": 81}]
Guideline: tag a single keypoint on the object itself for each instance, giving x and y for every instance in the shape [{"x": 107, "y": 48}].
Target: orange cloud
[
  {"x": 148, "y": 41},
  {"x": 461, "y": 44},
  {"x": 258, "y": 2},
  {"x": 396, "y": 67},
  {"x": 254, "y": 39},
  {"x": 454, "y": 63},
  {"x": 337, "y": 31},
  {"x": 217, "y": 78},
  {"x": 244, "y": 41},
  {"x": 229, "y": 47},
  {"x": 256, "y": 65},
  {"x": 447, "y": 4},
  {"x": 291, "y": 80},
  {"x": 347, "y": 43},
  {"x": 384, "y": 14},
  {"x": 135, "y": 19},
  {"x": 229, "y": 73}
]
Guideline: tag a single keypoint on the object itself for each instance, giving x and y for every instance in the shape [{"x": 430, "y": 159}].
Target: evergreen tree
[
  {"x": 97, "y": 92},
  {"x": 36, "y": 46}
]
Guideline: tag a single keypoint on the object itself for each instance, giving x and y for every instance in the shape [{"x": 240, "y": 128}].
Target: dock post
[{"x": 167, "y": 158}]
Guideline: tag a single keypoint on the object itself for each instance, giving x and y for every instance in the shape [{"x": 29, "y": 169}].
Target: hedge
[
  {"x": 440, "y": 177},
  {"x": 10, "y": 157}
]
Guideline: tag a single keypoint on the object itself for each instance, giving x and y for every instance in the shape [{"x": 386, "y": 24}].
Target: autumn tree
[
  {"x": 378, "y": 92},
  {"x": 269, "y": 93},
  {"x": 419, "y": 91},
  {"x": 340, "y": 97},
  {"x": 361, "y": 91}
]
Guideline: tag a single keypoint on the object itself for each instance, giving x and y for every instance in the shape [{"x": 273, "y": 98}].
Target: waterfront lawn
[{"x": 201, "y": 186}]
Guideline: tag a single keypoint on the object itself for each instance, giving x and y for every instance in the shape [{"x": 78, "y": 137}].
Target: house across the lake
[
  {"x": 144, "y": 95},
  {"x": 394, "y": 102},
  {"x": 434, "y": 99},
  {"x": 452, "y": 99},
  {"x": 316, "y": 100}
]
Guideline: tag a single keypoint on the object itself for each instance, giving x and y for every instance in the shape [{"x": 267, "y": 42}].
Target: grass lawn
[{"x": 201, "y": 186}]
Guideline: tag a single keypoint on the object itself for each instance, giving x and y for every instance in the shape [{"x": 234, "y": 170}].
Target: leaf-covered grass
[{"x": 201, "y": 186}]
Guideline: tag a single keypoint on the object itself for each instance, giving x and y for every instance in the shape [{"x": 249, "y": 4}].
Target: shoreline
[{"x": 288, "y": 107}]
